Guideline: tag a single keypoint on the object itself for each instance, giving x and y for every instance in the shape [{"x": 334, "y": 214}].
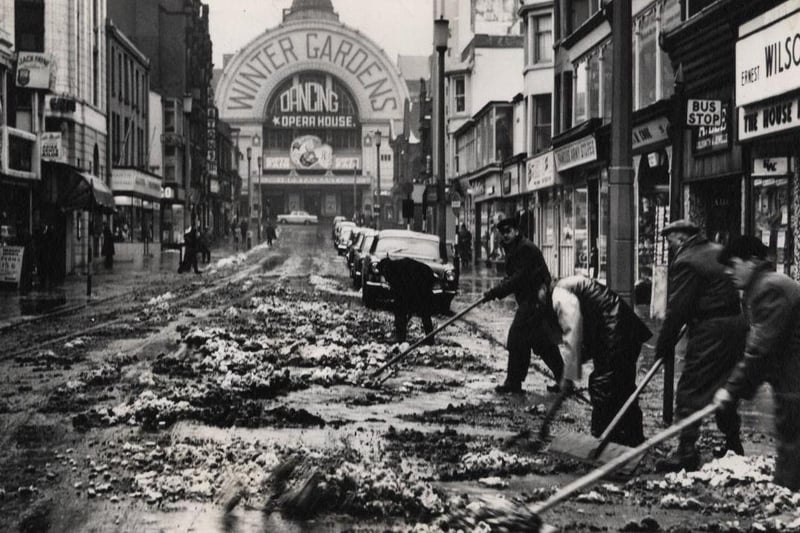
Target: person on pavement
[
  {"x": 411, "y": 286},
  {"x": 702, "y": 298},
  {"x": 272, "y": 235},
  {"x": 596, "y": 324},
  {"x": 190, "y": 252},
  {"x": 526, "y": 273},
  {"x": 108, "y": 247},
  {"x": 772, "y": 348}
]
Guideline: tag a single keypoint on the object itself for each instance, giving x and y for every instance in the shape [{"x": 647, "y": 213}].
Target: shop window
[
  {"x": 542, "y": 122},
  {"x": 652, "y": 175},
  {"x": 771, "y": 218},
  {"x": 581, "y": 231},
  {"x": 459, "y": 94}
]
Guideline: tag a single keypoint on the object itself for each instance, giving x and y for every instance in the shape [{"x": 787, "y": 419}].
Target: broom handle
[
  {"x": 606, "y": 436},
  {"x": 411, "y": 348},
  {"x": 620, "y": 461}
]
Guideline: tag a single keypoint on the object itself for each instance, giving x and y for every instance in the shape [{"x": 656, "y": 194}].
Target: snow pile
[
  {"x": 231, "y": 260},
  {"x": 726, "y": 471},
  {"x": 496, "y": 461},
  {"x": 161, "y": 302}
]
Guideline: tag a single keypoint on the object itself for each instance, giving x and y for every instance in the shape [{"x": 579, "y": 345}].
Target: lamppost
[
  {"x": 260, "y": 208},
  {"x": 249, "y": 196},
  {"x": 378, "y": 151},
  {"x": 440, "y": 34}
]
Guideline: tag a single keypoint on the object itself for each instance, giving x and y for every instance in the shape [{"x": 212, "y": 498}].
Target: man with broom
[
  {"x": 526, "y": 273},
  {"x": 703, "y": 298},
  {"x": 772, "y": 350},
  {"x": 596, "y": 324}
]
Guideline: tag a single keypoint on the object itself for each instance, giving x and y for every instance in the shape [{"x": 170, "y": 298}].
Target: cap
[
  {"x": 506, "y": 223},
  {"x": 683, "y": 225},
  {"x": 743, "y": 247}
]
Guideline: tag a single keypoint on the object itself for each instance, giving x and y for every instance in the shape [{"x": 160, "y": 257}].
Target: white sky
[{"x": 398, "y": 26}]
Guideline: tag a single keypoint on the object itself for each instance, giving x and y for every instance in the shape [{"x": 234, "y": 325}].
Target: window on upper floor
[
  {"x": 29, "y": 25},
  {"x": 693, "y": 7},
  {"x": 541, "y": 39},
  {"x": 113, "y": 70},
  {"x": 459, "y": 94},
  {"x": 170, "y": 116},
  {"x": 503, "y": 133},
  {"x": 542, "y": 123},
  {"x": 579, "y": 11}
]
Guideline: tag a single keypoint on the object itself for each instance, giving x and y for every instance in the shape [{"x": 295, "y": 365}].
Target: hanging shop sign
[
  {"x": 50, "y": 146},
  {"x": 708, "y": 139},
  {"x": 213, "y": 186},
  {"x": 314, "y": 180},
  {"x": 649, "y": 133},
  {"x": 768, "y": 57},
  {"x": 770, "y": 166},
  {"x": 541, "y": 172},
  {"x": 135, "y": 182},
  {"x": 35, "y": 70},
  {"x": 311, "y": 105},
  {"x": 11, "y": 263},
  {"x": 308, "y": 152},
  {"x": 765, "y": 119},
  {"x": 576, "y": 153},
  {"x": 211, "y": 147},
  {"x": 703, "y": 112}
]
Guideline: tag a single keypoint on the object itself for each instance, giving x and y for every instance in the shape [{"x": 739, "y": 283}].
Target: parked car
[
  {"x": 422, "y": 247},
  {"x": 337, "y": 231},
  {"x": 336, "y": 220},
  {"x": 343, "y": 242},
  {"x": 297, "y": 217},
  {"x": 356, "y": 254}
]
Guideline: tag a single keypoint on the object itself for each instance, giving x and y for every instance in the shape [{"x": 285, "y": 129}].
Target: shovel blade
[{"x": 584, "y": 448}]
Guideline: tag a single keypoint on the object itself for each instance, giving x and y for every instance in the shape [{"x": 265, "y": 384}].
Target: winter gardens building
[{"x": 308, "y": 98}]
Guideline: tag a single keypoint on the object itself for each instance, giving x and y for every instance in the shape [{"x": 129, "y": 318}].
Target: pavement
[{"x": 17, "y": 308}]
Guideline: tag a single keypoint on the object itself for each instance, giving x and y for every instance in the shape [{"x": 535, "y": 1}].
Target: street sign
[{"x": 703, "y": 112}]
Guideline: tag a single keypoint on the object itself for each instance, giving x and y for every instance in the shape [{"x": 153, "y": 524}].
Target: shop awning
[{"x": 79, "y": 190}]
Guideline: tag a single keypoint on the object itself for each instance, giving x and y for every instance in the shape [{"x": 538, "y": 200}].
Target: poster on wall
[
  {"x": 11, "y": 263},
  {"x": 309, "y": 152},
  {"x": 493, "y": 17}
]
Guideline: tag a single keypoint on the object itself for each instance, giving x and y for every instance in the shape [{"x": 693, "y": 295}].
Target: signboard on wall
[
  {"x": 11, "y": 263},
  {"x": 541, "y": 172},
  {"x": 770, "y": 166},
  {"x": 310, "y": 105},
  {"x": 649, "y": 133},
  {"x": 576, "y": 153},
  {"x": 708, "y": 139},
  {"x": 35, "y": 70},
  {"x": 765, "y": 119},
  {"x": 309, "y": 152},
  {"x": 50, "y": 146},
  {"x": 767, "y": 59}
]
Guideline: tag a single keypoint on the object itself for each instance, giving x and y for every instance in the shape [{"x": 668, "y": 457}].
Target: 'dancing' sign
[{"x": 310, "y": 105}]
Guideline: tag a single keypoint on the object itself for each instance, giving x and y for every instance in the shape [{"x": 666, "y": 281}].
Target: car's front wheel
[
  {"x": 305, "y": 222},
  {"x": 282, "y": 221}
]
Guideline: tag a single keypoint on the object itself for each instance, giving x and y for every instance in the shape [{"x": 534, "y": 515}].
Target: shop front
[
  {"x": 489, "y": 209},
  {"x": 768, "y": 123},
  {"x": 173, "y": 216},
  {"x": 137, "y": 218}
]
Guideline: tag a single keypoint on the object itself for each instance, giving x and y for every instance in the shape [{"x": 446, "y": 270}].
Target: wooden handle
[
  {"x": 620, "y": 461},
  {"x": 606, "y": 436},
  {"x": 411, "y": 348}
]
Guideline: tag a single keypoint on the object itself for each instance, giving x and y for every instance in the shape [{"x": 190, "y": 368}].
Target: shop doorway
[
  {"x": 716, "y": 206},
  {"x": 312, "y": 202}
]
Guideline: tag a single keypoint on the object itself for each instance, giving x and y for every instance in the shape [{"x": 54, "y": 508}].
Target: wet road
[{"x": 72, "y": 461}]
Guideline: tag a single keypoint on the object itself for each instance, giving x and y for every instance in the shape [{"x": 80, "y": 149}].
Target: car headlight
[
  {"x": 449, "y": 275},
  {"x": 374, "y": 268}
]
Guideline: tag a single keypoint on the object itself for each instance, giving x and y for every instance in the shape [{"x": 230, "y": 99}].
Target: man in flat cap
[
  {"x": 772, "y": 351},
  {"x": 526, "y": 273},
  {"x": 702, "y": 298}
]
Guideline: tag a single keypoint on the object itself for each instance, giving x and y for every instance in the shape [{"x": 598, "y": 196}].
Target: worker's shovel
[{"x": 373, "y": 378}]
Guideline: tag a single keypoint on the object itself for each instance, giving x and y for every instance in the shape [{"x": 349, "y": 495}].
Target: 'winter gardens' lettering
[{"x": 282, "y": 52}]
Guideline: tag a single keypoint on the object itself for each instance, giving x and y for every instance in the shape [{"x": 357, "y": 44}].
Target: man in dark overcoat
[
  {"x": 772, "y": 348},
  {"x": 526, "y": 273},
  {"x": 702, "y": 298},
  {"x": 411, "y": 286},
  {"x": 596, "y": 324}
]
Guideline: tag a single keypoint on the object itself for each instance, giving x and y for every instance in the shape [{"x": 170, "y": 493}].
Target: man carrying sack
[
  {"x": 526, "y": 273},
  {"x": 703, "y": 298}
]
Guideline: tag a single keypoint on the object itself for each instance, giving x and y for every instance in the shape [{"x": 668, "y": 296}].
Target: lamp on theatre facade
[
  {"x": 246, "y": 238},
  {"x": 378, "y": 170}
]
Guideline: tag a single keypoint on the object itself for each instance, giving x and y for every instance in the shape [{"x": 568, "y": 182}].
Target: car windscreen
[
  {"x": 345, "y": 234},
  {"x": 408, "y": 246},
  {"x": 366, "y": 243}
]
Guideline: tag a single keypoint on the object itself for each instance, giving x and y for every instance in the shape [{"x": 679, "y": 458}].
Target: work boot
[
  {"x": 734, "y": 444},
  {"x": 509, "y": 388},
  {"x": 684, "y": 458}
]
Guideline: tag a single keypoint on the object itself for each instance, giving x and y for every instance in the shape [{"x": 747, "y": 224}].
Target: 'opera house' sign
[
  {"x": 310, "y": 105},
  {"x": 317, "y": 45}
]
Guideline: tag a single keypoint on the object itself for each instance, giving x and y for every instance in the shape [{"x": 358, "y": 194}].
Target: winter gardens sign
[{"x": 295, "y": 47}]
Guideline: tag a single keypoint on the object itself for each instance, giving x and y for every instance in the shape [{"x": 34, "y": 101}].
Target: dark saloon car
[
  {"x": 357, "y": 252},
  {"x": 342, "y": 240},
  {"x": 396, "y": 244}
]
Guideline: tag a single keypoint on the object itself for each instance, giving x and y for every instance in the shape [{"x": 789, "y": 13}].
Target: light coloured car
[{"x": 297, "y": 217}]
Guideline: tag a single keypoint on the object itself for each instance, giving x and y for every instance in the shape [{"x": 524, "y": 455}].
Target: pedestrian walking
[
  {"x": 411, "y": 286},
  {"x": 702, "y": 298},
  {"x": 526, "y": 273},
  {"x": 236, "y": 231},
  {"x": 772, "y": 348},
  {"x": 203, "y": 245},
  {"x": 272, "y": 235},
  {"x": 597, "y": 325},
  {"x": 107, "y": 249},
  {"x": 190, "y": 243},
  {"x": 245, "y": 236},
  {"x": 464, "y": 244}
]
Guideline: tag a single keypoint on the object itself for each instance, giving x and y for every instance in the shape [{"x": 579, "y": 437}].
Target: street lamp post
[
  {"x": 260, "y": 206},
  {"x": 378, "y": 152},
  {"x": 440, "y": 34},
  {"x": 249, "y": 196}
]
